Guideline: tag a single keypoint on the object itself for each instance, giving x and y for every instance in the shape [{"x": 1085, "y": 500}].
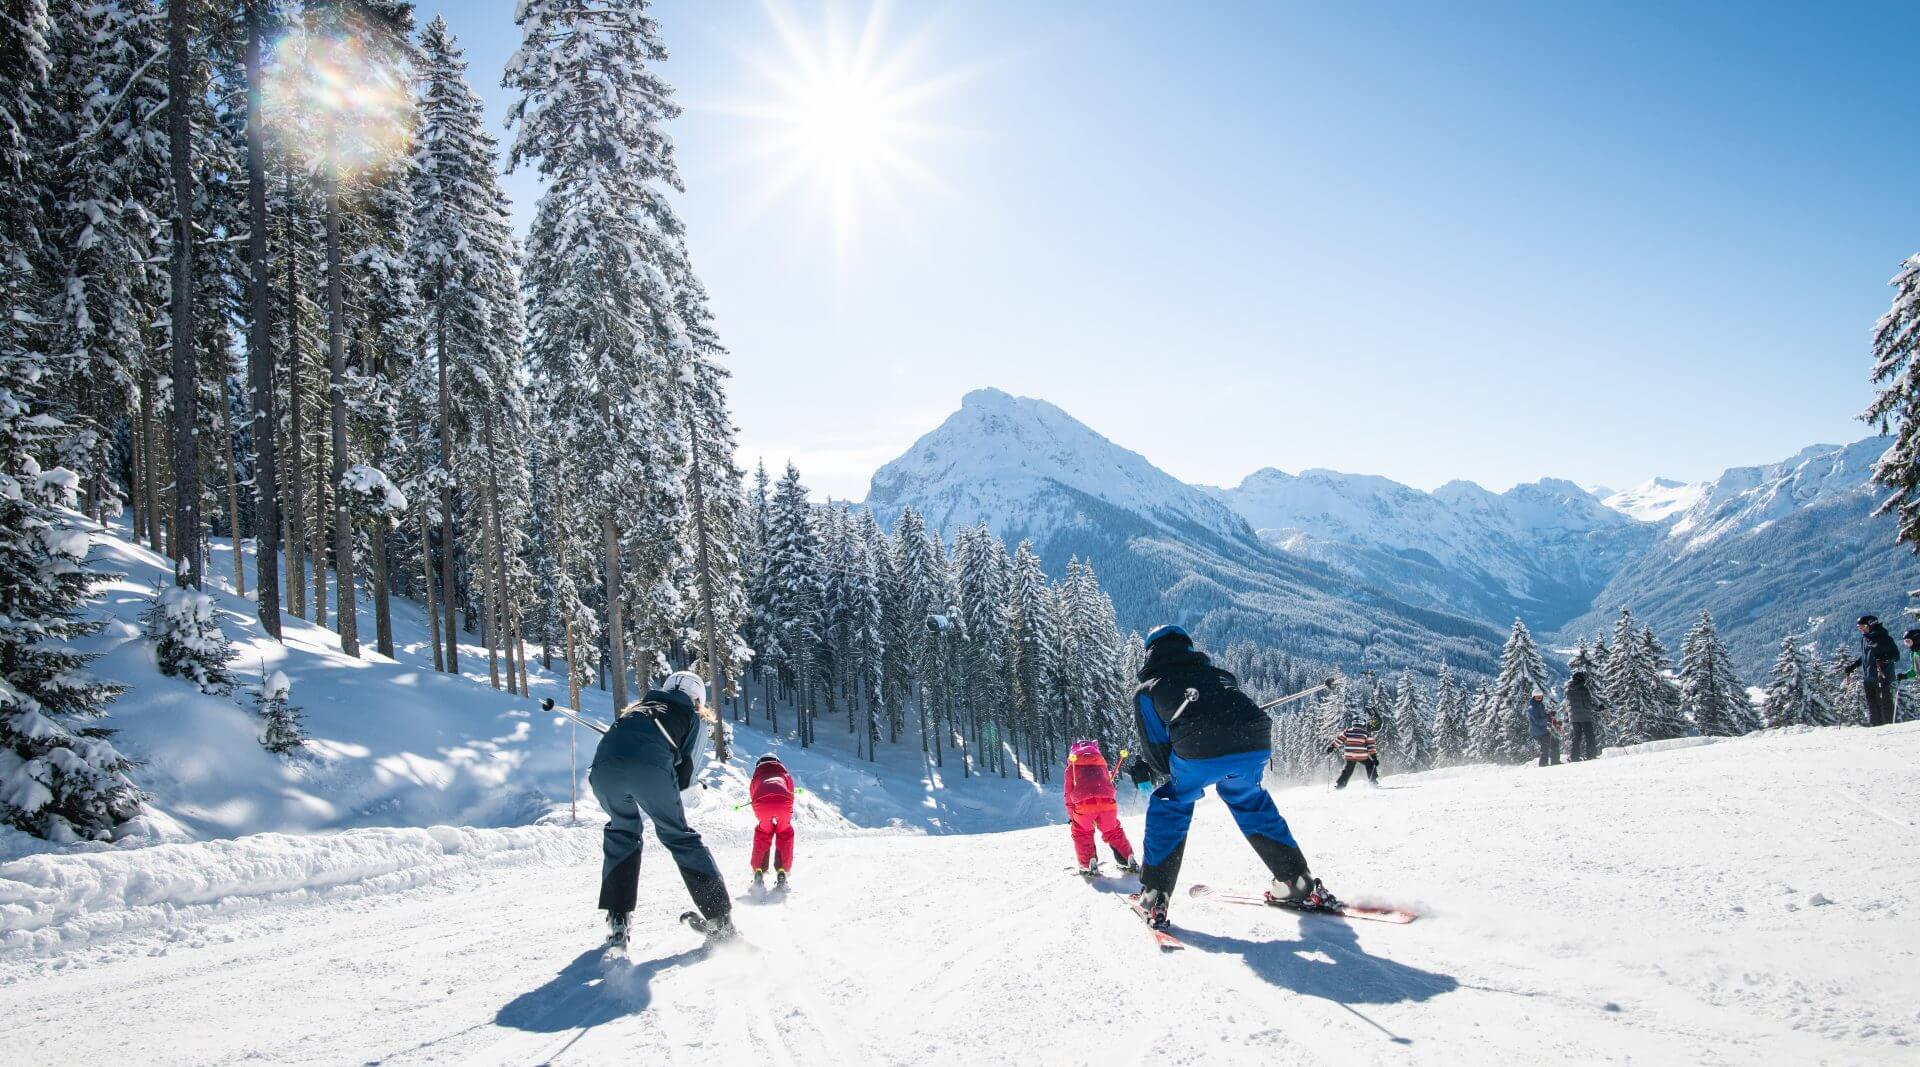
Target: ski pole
[
  {"x": 547, "y": 704},
  {"x": 1301, "y": 695}
]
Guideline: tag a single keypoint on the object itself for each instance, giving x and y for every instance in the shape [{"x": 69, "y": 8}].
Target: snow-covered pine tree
[
  {"x": 911, "y": 600},
  {"x": 1895, "y": 408},
  {"x": 866, "y": 628},
  {"x": 796, "y": 593},
  {"x": 281, "y": 721},
  {"x": 1410, "y": 738},
  {"x": 1709, "y": 690},
  {"x": 1793, "y": 692},
  {"x": 60, "y": 776},
  {"x": 1030, "y": 645},
  {"x": 1500, "y": 732},
  {"x": 187, "y": 640},
  {"x": 982, "y": 566},
  {"x": 1839, "y": 690},
  {"x": 1450, "y": 720},
  {"x": 602, "y": 257}
]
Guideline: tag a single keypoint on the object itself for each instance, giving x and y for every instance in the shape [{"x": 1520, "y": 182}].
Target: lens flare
[{"x": 344, "y": 110}]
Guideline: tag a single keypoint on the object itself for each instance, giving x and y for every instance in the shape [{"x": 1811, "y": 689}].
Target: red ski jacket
[
  {"x": 771, "y": 783},
  {"x": 1089, "y": 786}
]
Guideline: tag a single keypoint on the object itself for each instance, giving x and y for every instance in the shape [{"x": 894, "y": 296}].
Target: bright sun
[{"x": 841, "y": 120}]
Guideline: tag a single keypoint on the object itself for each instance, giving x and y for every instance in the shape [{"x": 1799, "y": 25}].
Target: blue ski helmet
[{"x": 1161, "y": 633}]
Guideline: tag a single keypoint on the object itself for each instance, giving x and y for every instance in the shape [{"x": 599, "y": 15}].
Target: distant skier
[
  {"x": 1140, "y": 773},
  {"x": 642, "y": 764},
  {"x": 1355, "y": 745},
  {"x": 1881, "y": 658},
  {"x": 772, "y": 792},
  {"x": 1091, "y": 805},
  {"x": 1583, "y": 710},
  {"x": 1543, "y": 730},
  {"x": 1201, "y": 730}
]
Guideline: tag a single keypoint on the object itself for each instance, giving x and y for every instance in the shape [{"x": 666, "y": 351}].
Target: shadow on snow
[{"x": 588, "y": 992}]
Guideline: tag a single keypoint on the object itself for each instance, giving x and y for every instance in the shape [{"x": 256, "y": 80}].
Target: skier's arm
[
  {"x": 1158, "y": 747},
  {"x": 1852, "y": 665}
]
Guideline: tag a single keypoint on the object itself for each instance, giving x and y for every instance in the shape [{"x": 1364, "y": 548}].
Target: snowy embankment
[
  {"x": 395, "y": 743},
  {"x": 1746, "y": 901}
]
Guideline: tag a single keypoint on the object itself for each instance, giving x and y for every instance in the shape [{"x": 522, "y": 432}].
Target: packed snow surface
[{"x": 1742, "y": 901}]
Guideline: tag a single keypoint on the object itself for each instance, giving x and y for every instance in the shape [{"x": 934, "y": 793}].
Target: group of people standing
[{"x": 1583, "y": 716}]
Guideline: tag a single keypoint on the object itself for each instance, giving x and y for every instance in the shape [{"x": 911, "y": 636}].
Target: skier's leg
[
  {"x": 1346, "y": 772},
  {"x": 1116, "y": 836},
  {"x": 660, "y": 799},
  {"x": 1254, "y": 812},
  {"x": 620, "y": 841},
  {"x": 783, "y": 845},
  {"x": 762, "y": 842},
  {"x": 1169, "y": 815},
  {"x": 1553, "y": 743},
  {"x": 1080, "y": 825},
  {"x": 1373, "y": 771}
]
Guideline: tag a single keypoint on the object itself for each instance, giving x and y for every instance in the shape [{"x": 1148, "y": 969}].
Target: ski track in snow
[{"x": 1712, "y": 904}]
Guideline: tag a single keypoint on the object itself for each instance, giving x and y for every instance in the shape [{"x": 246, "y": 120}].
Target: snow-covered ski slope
[{"x": 1746, "y": 901}]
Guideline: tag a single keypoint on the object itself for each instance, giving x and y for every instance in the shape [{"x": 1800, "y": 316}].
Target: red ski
[
  {"x": 1166, "y": 941},
  {"x": 1339, "y": 911}
]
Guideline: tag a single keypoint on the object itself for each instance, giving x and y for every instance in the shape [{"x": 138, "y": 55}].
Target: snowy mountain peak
[
  {"x": 1004, "y": 459},
  {"x": 1656, "y": 499}
]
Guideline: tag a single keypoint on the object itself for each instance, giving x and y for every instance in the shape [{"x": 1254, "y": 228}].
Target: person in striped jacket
[{"x": 1355, "y": 745}]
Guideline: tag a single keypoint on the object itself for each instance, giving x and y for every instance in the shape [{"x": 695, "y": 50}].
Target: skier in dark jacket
[
  {"x": 1583, "y": 710},
  {"x": 1541, "y": 728},
  {"x": 1200, "y": 730},
  {"x": 642, "y": 764},
  {"x": 1881, "y": 658}
]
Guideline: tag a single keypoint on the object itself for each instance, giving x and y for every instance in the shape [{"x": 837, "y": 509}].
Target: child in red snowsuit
[
  {"x": 1090, "y": 803},
  {"x": 772, "y": 795}
]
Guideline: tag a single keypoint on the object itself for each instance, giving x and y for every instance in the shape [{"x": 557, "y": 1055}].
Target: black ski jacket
[
  {"x": 1221, "y": 720},
  {"x": 663, "y": 723},
  {"x": 1878, "y": 653},
  {"x": 1581, "y": 706}
]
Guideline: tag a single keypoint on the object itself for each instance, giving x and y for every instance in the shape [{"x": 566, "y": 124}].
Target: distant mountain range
[{"x": 1366, "y": 571}]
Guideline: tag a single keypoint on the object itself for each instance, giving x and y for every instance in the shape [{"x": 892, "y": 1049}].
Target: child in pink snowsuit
[
  {"x": 1090, "y": 803},
  {"x": 772, "y": 795}
]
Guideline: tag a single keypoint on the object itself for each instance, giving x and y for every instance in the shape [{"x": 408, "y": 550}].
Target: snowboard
[
  {"x": 1396, "y": 916},
  {"x": 1166, "y": 941}
]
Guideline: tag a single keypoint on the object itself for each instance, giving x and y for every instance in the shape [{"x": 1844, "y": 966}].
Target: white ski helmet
[{"x": 686, "y": 682}]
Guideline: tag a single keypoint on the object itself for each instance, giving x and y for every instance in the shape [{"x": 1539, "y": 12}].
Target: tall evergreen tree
[
  {"x": 1409, "y": 738},
  {"x": 1500, "y": 731},
  {"x": 1794, "y": 694},
  {"x": 1709, "y": 690},
  {"x": 1451, "y": 723},
  {"x": 1896, "y": 407},
  {"x": 1644, "y": 703}
]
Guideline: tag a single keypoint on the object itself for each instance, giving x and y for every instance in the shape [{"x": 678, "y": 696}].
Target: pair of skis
[{"x": 1167, "y": 942}]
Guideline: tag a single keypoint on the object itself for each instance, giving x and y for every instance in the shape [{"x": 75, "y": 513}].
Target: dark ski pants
[
  {"x": 1879, "y": 700},
  {"x": 1584, "y": 740},
  {"x": 1549, "y": 749},
  {"x": 1373, "y": 772},
  {"x": 1236, "y": 778},
  {"x": 628, "y": 787}
]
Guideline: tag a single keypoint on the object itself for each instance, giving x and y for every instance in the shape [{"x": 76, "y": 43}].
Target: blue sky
[{"x": 1485, "y": 241}]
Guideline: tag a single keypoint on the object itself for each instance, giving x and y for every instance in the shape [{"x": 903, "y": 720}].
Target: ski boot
[
  {"x": 1128, "y": 865},
  {"x": 779, "y": 881},
  {"x": 1302, "y": 893},
  {"x": 1153, "y": 907},
  {"x": 760, "y": 879},
  {"x": 718, "y": 931},
  {"x": 619, "y": 924},
  {"x": 1090, "y": 871}
]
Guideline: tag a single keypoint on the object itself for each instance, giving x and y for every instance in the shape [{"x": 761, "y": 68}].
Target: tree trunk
[
  {"x": 266, "y": 488},
  {"x": 233, "y": 499},
  {"x": 382, "y": 603},
  {"x": 317, "y": 530},
  {"x": 710, "y": 630},
  {"x": 489, "y": 587},
  {"x": 136, "y": 486},
  {"x": 610, "y": 538},
  {"x": 186, "y": 456},
  {"x": 496, "y": 552},
  {"x": 337, "y": 406},
  {"x": 433, "y": 607},
  {"x": 150, "y": 459},
  {"x": 296, "y": 441},
  {"x": 447, "y": 584}
]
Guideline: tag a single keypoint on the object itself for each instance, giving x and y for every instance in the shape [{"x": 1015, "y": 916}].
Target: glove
[{"x": 1850, "y": 668}]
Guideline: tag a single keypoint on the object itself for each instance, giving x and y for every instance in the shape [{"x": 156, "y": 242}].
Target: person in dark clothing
[
  {"x": 1881, "y": 658},
  {"x": 1583, "y": 711},
  {"x": 1140, "y": 773},
  {"x": 1540, "y": 727},
  {"x": 1356, "y": 746},
  {"x": 1200, "y": 730},
  {"x": 642, "y": 764}
]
